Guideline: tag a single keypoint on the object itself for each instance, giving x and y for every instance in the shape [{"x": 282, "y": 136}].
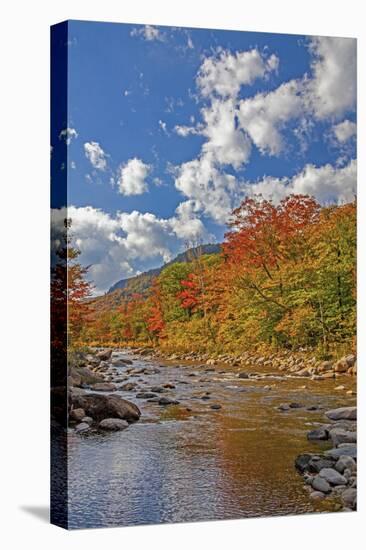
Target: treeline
[{"x": 286, "y": 278}]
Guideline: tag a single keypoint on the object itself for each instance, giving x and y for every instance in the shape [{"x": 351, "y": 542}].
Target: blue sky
[{"x": 169, "y": 129}]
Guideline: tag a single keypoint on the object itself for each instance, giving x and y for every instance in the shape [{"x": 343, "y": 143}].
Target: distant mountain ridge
[{"x": 140, "y": 283}]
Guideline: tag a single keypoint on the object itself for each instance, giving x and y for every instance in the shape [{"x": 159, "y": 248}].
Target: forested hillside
[{"x": 286, "y": 278}]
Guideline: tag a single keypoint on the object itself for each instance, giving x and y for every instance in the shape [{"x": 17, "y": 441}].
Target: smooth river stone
[
  {"x": 320, "y": 484},
  {"x": 347, "y": 450},
  {"x": 332, "y": 476},
  {"x": 343, "y": 413}
]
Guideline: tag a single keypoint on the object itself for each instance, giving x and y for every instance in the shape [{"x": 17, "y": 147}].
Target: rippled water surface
[{"x": 188, "y": 462}]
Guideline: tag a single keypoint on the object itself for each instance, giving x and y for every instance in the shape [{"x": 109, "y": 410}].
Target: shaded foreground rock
[{"x": 106, "y": 406}]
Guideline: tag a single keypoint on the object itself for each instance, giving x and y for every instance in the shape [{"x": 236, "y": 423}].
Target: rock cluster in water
[{"x": 333, "y": 473}]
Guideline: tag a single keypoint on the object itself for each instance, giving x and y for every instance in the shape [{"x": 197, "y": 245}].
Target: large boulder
[
  {"x": 343, "y": 413},
  {"x": 106, "y": 406}
]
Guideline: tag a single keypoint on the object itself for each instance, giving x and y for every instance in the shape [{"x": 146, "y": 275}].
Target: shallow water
[{"x": 201, "y": 464}]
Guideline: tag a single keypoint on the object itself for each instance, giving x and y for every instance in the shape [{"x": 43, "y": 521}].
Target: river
[{"x": 188, "y": 462}]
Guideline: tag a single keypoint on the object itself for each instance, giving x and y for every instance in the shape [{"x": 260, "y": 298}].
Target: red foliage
[
  {"x": 155, "y": 322},
  {"x": 263, "y": 233},
  {"x": 189, "y": 297}
]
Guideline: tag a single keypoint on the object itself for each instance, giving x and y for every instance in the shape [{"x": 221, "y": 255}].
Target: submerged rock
[
  {"x": 104, "y": 386},
  {"x": 319, "y": 434},
  {"x": 167, "y": 401},
  {"x": 302, "y": 462},
  {"x": 113, "y": 424},
  {"x": 82, "y": 427}
]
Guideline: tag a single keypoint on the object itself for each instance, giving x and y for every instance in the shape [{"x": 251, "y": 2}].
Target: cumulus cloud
[
  {"x": 226, "y": 141},
  {"x": 132, "y": 176},
  {"x": 148, "y": 32},
  {"x": 344, "y": 130},
  {"x": 328, "y": 184},
  {"x": 264, "y": 115},
  {"x": 224, "y": 73},
  {"x": 95, "y": 154},
  {"x": 213, "y": 191},
  {"x": 332, "y": 89},
  {"x": 113, "y": 246},
  {"x": 68, "y": 134}
]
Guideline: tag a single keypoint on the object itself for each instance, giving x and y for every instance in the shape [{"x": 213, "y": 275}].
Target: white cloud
[
  {"x": 226, "y": 142},
  {"x": 212, "y": 191},
  {"x": 328, "y": 184},
  {"x": 344, "y": 130},
  {"x": 96, "y": 155},
  {"x": 132, "y": 176},
  {"x": 113, "y": 245},
  {"x": 68, "y": 134},
  {"x": 264, "y": 115},
  {"x": 149, "y": 33},
  {"x": 185, "y": 131},
  {"x": 332, "y": 90},
  {"x": 230, "y": 126},
  {"x": 226, "y": 72},
  {"x": 186, "y": 225}
]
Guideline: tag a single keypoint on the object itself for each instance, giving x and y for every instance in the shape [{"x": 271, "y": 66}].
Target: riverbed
[{"x": 192, "y": 462}]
